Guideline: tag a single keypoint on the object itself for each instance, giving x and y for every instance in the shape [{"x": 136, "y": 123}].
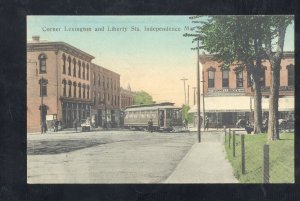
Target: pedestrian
[
  {"x": 150, "y": 126},
  {"x": 56, "y": 125},
  {"x": 75, "y": 125},
  {"x": 44, "y": 127},
  {"x": 206, "y": 123}
]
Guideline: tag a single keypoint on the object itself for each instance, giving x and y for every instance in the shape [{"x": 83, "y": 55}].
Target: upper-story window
[
  {"x": 83, "y": 93},
  {"x": 94, "y": 78},
  {"x": 88, "y": 91},
  {"x": 64, "y": 82},
  {"x": 291, "y": 75},
  {"x": 239, "y": 78},
  {"x": 79, "y": 69},
  {"x": 225, "y": 78},
  {"x": 83, "y": 70},
  {"x": 111, "y": 83},
  {"x": 262, "y": 75},
  {"x": 79, "y": 89},
  {"x": 99, "y": 98},
  {"x": 103, "y": 78},
  {"x": 94, "y": 97},
  {"x": 69, "y": 65},
  {"x": 87, "y": 72},
  {"x": 42, "y": 62},
  {"x": 70, "y": 88},
  {"x": 74, "y": 89},
  {"x": 211, "y": 77},
  {"x": 64, "y": 64},
  {"x": 43, "y": 87},
  {"x": 99, "y": 82},
  {"x": 74, "y": 67}
]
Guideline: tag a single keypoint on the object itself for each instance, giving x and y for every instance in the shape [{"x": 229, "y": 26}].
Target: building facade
[
  {"x": 58, "y": 84},
  {"x": 228, "y": 95},
  {"x": 105, "y": 88},
  {"x": 126, "y": 97}
]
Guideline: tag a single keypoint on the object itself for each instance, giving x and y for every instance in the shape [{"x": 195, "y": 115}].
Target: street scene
[{"x": 160, "y": 99}]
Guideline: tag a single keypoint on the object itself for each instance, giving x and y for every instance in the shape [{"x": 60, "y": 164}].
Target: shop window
[
  {"x": 42, "y": 62},
  {"x": 225, "y": 78}
]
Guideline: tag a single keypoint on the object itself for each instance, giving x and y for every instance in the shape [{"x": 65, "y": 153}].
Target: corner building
[{"x": 58, "y": 84}]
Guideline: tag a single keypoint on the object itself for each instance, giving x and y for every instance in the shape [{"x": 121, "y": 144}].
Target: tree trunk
[
  {"x": 273, "y": 127},
  {"x": 257, "y": 108}
]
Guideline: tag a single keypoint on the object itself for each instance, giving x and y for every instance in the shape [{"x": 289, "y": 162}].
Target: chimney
[{"x": 36, "y": 38}]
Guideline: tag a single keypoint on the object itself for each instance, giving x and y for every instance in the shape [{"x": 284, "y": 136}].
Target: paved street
[{"x": 105, "y": 156}]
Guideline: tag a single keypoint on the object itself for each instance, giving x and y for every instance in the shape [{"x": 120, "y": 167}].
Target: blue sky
[{"x": 150, "y": 61}]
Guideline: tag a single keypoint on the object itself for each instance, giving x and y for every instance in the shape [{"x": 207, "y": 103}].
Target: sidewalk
[
  {"x": 204, "y": 163},
  {"x": 72, "y": 131}
]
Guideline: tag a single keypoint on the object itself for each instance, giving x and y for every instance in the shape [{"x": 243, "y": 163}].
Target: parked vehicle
[
  {"x": 85, "y": 125},
  {"x": 165, "y": 117}
]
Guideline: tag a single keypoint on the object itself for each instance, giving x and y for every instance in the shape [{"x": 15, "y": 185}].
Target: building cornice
[{"x": 56, "y": 46}]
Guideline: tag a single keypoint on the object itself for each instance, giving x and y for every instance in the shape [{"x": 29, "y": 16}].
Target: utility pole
[
  {"x": 184, "y": 79},
  {"x": 194, "y": 95},
  {"x": 198, "y": 95},
  {"x": 42, "y": 101}
]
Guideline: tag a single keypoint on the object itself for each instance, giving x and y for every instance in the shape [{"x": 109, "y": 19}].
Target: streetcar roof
[{"x": 151, "y": 108}]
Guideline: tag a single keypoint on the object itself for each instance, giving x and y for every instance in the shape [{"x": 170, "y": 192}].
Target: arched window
[
  {"x": 74, "y": 89},
  {"x": 83, "y": 71},
  {"x": 64, "y": 63},
  {"x": 64, "y": 82},
  {"x": 42, "y": 62},
  {"x": 79, "y": 69},
  {"x": 88, "y": 92},
  {"x": 291, "y": 74},
  {"x": 94, "y": 78},
  {"x": 74, "y": 67},
  {"x": 83, "y": 94},
  {"x": 211, "y": 77},
  {"x": 79, "y": 89},
  {"x": 70, "y": 88},
  {"x": 69, "y": 65},
  {"x": 43, "y": 87},
  {"x": 87, "y": 72}
]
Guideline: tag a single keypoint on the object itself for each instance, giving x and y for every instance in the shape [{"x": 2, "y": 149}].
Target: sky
[{"x": 153, "y": 61}]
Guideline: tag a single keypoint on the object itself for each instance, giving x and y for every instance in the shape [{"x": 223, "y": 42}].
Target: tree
[
  {"x": 235, "y": 41},
  {"x": 142, "y": 97},
  {"x": 186, "y": 115},
  {"x": 275, "y": 32}
]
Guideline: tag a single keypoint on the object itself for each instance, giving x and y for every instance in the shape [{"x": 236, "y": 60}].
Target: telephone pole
[
  {"x": 184, "y": 79},
  {"x": 198, "y": 95},
  {"x": 188, "y": 98}
]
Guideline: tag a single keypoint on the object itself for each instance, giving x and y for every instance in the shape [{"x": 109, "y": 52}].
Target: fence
[{"x": 254, "y": 161}]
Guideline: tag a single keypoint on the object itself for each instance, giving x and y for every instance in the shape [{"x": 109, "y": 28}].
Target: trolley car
[{"x": 165, "y": 117}]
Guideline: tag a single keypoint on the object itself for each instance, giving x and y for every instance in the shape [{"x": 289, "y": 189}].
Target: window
[
  {"x": 79, "y": 69},
  {"x": 99, "y": 98},
  {"x": 69, "y": 67},
  {"x": 64, "y": 82},
  {"x": 291, "y": 75},
  {"x": 79, "y": 89},
  {"x": 87, "y": 72},
  {"x": 94, "y": 96},
  {"x": 74, "y": 85},
  {"x": 262, "y": 74},
  {"x": 83, "y": 94},
  {"x": 239, "y": 78},
  {"x": 43, "y": 87},
  {"x": 83, "y": 71},
  {"x": 249, "y": 79},
  {"x": 64, "y": 63},
  {"x": 225, "y": 78},
  {"x": 94, "y": 78},
  {"x": 88, "y": 92},
  {"x": 99, "y": 82},
  {"x": 74, "y": 67},
  {"x": 70, "y": 88},
  {"x": 211, "y": 79},
  {"x": 42, "y": 62}
]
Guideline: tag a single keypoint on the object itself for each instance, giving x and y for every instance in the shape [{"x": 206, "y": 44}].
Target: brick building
[
  {"x": 105, "y": 88},
  {"x": 229, "y": 96},
  {"x": 58, "y": 83},
  {"x": 126, "y": 97}
]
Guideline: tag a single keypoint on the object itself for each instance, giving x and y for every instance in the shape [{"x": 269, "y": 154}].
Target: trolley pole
[{"x": 198, "y": 95}]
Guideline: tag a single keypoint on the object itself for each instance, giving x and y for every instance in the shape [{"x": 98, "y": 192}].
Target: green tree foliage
[
  {"x": 186, "y": 115},
  {"x": 142, "y": 97}
]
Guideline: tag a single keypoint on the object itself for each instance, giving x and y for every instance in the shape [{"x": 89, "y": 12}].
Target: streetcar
[{"x": 165, "y": 117}]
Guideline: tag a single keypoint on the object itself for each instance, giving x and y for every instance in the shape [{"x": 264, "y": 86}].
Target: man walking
[
  {"x": 206, "y": 123},
  {"x": 75, "y": 125}
]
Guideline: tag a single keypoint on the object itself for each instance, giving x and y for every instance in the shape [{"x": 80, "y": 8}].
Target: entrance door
[{"x": 228, "y": 119}]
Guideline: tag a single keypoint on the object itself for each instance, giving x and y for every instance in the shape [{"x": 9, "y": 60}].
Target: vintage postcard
[{"x": 160, "y": 99}]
